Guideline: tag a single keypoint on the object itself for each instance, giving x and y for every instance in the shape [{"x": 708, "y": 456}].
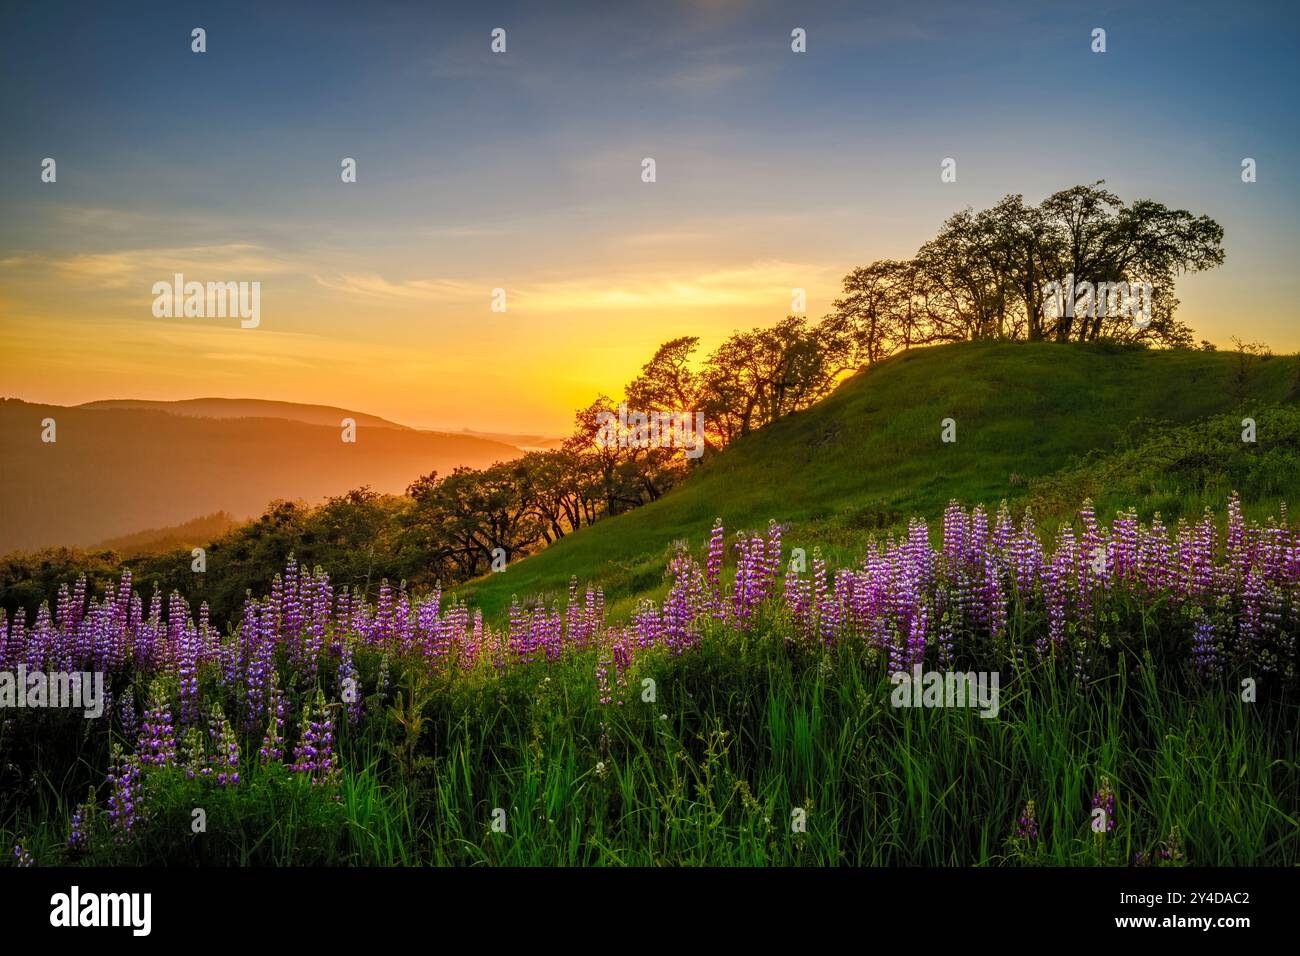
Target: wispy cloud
[
  {"x": 706, "y": 77},
  {"x": 142, "y": 267},
  {"x": 465, "y": 232},
  {"x": 761, "y": 284},
  {"x": 277, "y": 360},
  {"x": 375, "y": 286}
]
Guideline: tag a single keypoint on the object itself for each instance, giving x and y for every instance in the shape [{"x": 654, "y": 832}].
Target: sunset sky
[{"x": 522, "y": 171}]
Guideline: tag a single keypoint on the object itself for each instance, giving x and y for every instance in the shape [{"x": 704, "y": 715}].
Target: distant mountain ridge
[
  {"x": 248, "y": 408},
  {"x": 119, "y": 468},
  {"x": 526, "y": 442},
  {"x": 311, "y": 414}
]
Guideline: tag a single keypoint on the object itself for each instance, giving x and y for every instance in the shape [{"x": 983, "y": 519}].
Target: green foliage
[
  {"x": 1181, "y": 470},
  {"x": 274, "y": 818},
  {"x": 745, "y": 730},
  {"x": 407, "y": 712}
]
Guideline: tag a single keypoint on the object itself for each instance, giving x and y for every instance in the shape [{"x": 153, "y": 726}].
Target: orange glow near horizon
[
  {"x": 428, "y": 354},
  {"x": 433, "y": 360}
]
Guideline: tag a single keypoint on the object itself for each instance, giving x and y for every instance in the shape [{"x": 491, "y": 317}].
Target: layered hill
[
  {"x": 871, "y": 455},
  {"x": 247, "y": 408},
  {"x": 311, "y": 414},
  {"x": 114, "y": 471},
  {"x": 195, "y": 533}
]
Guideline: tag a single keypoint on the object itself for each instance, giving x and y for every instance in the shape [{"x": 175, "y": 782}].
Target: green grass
[
  {"x": 1179, "y": 471},
  {"x": 745, "y": 730},
  {"x": 869, "y": 457}
]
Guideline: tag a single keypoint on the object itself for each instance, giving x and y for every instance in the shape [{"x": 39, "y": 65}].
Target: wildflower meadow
[{"x": 1147, "y": 677}]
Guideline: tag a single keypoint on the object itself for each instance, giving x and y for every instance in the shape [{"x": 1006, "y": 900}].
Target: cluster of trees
[
  {"x": 982, "y": 277},
  {"x": 513, "y": 508},
  {"x": 985, "y": 275}
]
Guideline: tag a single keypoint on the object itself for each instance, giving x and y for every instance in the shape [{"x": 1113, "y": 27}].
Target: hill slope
[{"x": 870, "y": 455}]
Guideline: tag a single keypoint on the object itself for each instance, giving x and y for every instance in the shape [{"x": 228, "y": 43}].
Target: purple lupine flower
[
  {"x": 955, "y": 533},
  {"x": 1027, "y": 825},
  {"x": 349, "y": 686},
  {"x": 677, "y": 623},
  {"x": 260, "y": 673},
  {"x": 1104, "y": 800},
  {"x": 1250, "y": 618},
  {"x": 916, "y": 640},
  {"x": 1055, "y": 577},
  {"x": 80, "y": 826},
  {"x": 773, "y": 567},
  {"x": 993, "y": 598},
  {"x": 315, "y": 752},
  {"x": 1237, "y": 552},
  {"x": 157, "y": 744},
  {"x": 1205, "y": 655},
  {"x": 963, "y": 596},
  {"x": 1237, "y": 592},
  {"x": 188, "y": 668},
  {"x": 1124, "y": 545},
  {"x": 385, "y": 615},
  {"x": 792, "y": 591},
  {"x": 272, "y": 748},
  {"x": 77, "y": 841},
  {"x": 553, "y": 635},
  {"x": 126, "y": 713},
  {"x": 603, "y": 689},
  {"x": 123, "y": 794},
  {"x": 741, "y": 588},
  {"x": 818, "y": 585},
  {"x": 317, "y": 599},
  {"x": 713, "y": 568},
  {"x": 517, "y": 629}
]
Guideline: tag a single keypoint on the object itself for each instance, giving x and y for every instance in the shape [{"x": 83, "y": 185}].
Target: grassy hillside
[
  {"x": 871, "y": 454},
  {"x": 1178, "y": 471}
]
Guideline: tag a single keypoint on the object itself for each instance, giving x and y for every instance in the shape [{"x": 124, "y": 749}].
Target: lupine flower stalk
[
  {"x": 1104, "y": 800},
  {"x": 123, "y": 794},
  {"x": 223, "y": 759},
  {"x": 157, "y": 745},
  {"x": 314, "y": 754}
]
